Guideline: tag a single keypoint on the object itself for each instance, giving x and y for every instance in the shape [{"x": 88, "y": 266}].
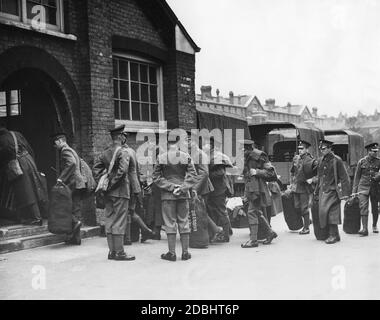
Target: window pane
[
  {"x": 3, "y": 111},
  {"x": 123, "y": 69},
  {"x": 124, "y": 110},
  {"x": 135, "y": 111},
  {"x": 124, "y": 90},
  {"x": 3, "y": 98},
  {"x": 117, "y": 110},
  {"x": 9, "y": 6},
  {"x": 14, "y": 97},
  {"x": 134, "y": 71},
  {"x": 115, "y": 68},
  {"x": 15, "y": 110},
  {"x": 143, "y": 73},
  {"x": 135, "y": 93},
  {"x": 152, "y": 75},
  {"x": 116, "y": 89},
  {"x": 145, "y": 93},
  {"x": 154, "y": 112},
  {"x": 145, "y": 112},
  {"x": 153, "y": 93}
]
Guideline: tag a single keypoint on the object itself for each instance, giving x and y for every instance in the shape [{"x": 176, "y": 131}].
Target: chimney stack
[
  {"x": 231, "y": 97},
  {"x": 206, "y": 92},
  {"x": 217, "y": 95}
]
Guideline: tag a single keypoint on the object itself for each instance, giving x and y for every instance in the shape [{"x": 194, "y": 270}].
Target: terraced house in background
[{"x": 84, "y": 66}]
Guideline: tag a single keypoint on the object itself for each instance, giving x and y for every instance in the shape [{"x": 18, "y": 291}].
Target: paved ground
[{"x": 293, "y": 267}]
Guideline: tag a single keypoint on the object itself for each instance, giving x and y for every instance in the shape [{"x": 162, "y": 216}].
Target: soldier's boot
[
  {"x": 127, "y": 235},
  {"x": 333, "y": 234},
  {"x": 364, "y": 231},
  {"x": 112, "y": 252},
  {"x": 170, "y": 255},
  {"x": 306, "y": 224},
  {"x": 214, "y": 230},
  {"x": 375, "y": 216},
  {"x": 270, "y": 233},
  {"x": 120, "y": 254},
  {"x": 252, "y": 242},
  {"x": 185, "y": 239}
]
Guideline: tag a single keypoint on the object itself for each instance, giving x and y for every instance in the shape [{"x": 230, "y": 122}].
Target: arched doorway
[{"x": 38, "y": 98}]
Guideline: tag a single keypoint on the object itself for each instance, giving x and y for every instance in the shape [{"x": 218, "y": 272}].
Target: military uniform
[
  {"x": 174, "y": 170},
  {"x": 366, "y": 181},
  {"x": 302, "y": 189},
  {"x": 117, "y": 195},
  {"x": 258, "y": 195},
  {"x": 331, "y": 172},
  {"x": 216, "y": 200}
]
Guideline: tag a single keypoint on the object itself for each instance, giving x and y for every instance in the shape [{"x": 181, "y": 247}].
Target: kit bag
[
  {"x": 60, "y": 210},
  {"x": 14, "y": 169}
]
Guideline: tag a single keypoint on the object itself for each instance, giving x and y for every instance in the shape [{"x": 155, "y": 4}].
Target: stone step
[
  {"x": 19, "y": 231},
  {"x": 40, "y": 240}
]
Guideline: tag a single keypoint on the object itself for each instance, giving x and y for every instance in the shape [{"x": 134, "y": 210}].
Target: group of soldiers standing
[
  {"x": 326, "y": 181},
  {"x": 178, "y": 177}
]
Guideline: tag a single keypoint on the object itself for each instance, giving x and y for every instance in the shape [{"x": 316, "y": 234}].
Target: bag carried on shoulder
[
  {"x": 103, "y": 183},
  {"x": 14, "y": 169}
]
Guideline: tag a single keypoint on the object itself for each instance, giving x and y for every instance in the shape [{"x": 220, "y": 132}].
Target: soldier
[
  {"x": 256, "y": 173},
  {"x": 117, "y": 195},
  {"x": 331, "y": 172},
  {"x": 302, "y": 172},
  {"x": 70, "y": 175},
  {"x": 24, "y": 193},
  {"x": 174, "y": 174},
  {"x": 136, "y": 196},
  {"x": 216, "y": 201},
  {"x": 366, "y": 181}
]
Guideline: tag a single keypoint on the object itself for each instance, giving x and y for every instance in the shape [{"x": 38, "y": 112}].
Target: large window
[
  {"x": 136, "y": 90},
  {"x": 10, "y": 103},
  {"x": 39, "y": 13}
]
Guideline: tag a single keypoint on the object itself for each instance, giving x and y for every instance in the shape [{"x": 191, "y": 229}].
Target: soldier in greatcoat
[
  {"x": 331, "y": 173},
  {"x": 302, "y": 173},
  {"x": 25, "y": 194},
  {"x": 70, "y": 175},
  {"x": 257, "y": 172},
  {"x": 174, "y": 174},
  {"x": 117, "y": 195},
  {"x": 366, "y": 181}
]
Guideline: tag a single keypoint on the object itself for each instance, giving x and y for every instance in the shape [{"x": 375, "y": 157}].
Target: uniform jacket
[
  {"x": 174, "y": 168},
  {"x": 119, "y": 185},
  {"x": 133, "y": 171},
  {"x": 69, "y": 169},
  {"x": 203, "y": 183},
  {"x": 300, "y": 173},
  {"x": 217, "y": 172},
  {"x": 256, "y": 159},
  {"x": 367, "y": 175},
  {"x": 329, "y": 202}
]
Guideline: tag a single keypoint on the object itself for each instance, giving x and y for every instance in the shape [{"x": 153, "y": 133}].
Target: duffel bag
[{"x": 60, "y": 210}]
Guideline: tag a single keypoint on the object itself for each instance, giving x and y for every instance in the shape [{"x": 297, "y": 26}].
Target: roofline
[{"x": 176, "y": 21}]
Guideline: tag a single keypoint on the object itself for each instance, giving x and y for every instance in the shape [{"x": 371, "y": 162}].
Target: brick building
[{"x": 84, "y": 66}]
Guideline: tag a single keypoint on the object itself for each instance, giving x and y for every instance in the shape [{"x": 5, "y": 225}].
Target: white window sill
[
  {"x": 24, "y": 26},
  {"x": 137, "y": 126}
]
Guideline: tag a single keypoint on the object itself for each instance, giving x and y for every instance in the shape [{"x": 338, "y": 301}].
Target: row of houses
[{"x": 249, "y": 108}]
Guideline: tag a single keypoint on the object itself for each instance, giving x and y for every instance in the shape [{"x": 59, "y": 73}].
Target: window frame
[
  {"x": 8, "y": 105},
  {"x": 22, "y": 16},
  {"x": 135, "y": 125}
]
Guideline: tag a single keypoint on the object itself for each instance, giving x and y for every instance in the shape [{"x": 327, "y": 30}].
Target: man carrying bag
[{"x": 111, "y": 173}]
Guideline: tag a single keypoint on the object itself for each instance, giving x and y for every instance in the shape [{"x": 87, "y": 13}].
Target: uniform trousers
[
  {"x": 116, "y": 212},
  {"x": 175, "y": 214}
]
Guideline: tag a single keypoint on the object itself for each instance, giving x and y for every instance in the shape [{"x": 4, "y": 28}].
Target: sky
[{"x": 319, "y": 53}]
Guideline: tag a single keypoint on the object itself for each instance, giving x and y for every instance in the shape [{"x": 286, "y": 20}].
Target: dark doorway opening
[{"x": 31, "y": 97}]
